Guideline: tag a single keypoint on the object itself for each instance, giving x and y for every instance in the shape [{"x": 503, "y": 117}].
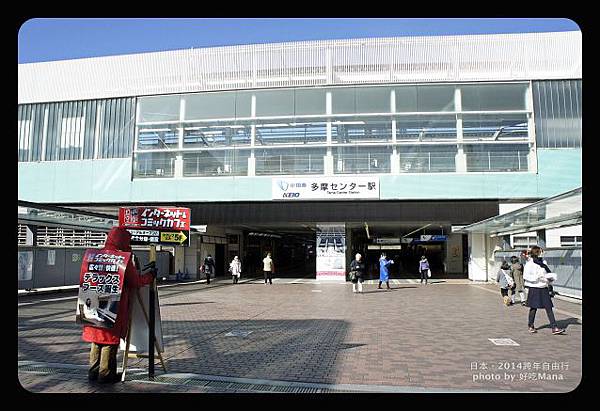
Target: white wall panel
[{"x": 524, "y": 56}]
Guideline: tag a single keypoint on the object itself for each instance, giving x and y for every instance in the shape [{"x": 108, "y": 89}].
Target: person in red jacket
[{"x": 105, "y": 341}]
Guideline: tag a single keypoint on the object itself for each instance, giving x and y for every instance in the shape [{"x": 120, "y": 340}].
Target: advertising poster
[
  {"x": 100, "y": 285},
  {"x": 331, "y": 252},
  {"x": 156, "y": 225},
  {"x": 25, "y": 265}
]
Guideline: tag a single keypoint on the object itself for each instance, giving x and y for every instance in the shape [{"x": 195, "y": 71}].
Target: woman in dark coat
[{"x": 359, "y": 268}]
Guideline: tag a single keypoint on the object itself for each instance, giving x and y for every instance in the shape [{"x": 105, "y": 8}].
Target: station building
[{"x": 312, "y": 150}]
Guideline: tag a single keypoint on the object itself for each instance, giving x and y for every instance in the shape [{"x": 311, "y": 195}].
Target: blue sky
[{"x": 69, "y": 38}]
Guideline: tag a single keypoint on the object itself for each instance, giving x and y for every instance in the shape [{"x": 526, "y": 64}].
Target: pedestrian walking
[
  {"x": 235, "y": 268},
  {"x": 537, "y": 276},
  {"x": 209, "y": 267},
  {"x": 268, "y": 268},
  {"x": 357, "y": 273},
  {"x": 384, "y": 274},
  {"x": 105, "y": 341},
  {"x": 516, "y": 271},
  {"x": 506, "y": 282},
  {"x": 424, "y": 269}
]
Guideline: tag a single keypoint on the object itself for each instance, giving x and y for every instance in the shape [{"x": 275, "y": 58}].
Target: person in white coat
[
  {"x": 537, "y": 276},
  {"x": 235, "y": 268}
]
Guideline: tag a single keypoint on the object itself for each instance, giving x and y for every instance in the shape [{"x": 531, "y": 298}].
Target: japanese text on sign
[
  {"x": 155, "y": 217},
  {"x": 325, "y": 188}
]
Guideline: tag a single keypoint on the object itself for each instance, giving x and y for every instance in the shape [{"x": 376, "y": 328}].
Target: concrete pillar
[
  {"x": 252, "y": 165},
  {"x": 179, "y": 166},
  {"x": 395, "y": 162},
  {"x": 477, "y": 257},
  {"x": 31, "y": 238},
  {"x": 328, "y": 164}
]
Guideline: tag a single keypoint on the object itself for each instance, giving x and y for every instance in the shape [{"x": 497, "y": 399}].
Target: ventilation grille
[{"x": 65, "y": 237}]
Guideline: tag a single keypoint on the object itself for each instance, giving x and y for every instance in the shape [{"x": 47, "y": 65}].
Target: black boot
[{"x": 379, "y": 286}]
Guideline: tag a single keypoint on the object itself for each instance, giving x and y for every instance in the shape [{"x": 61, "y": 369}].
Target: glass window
[
  {"x": 243, "y": 104},
  {"x": 571, "y": 241},
  {"x": 426, "y": 128},
  {"x": 216, "y": 163},
  {"x": 495, "y": 127},
  {"x": 499, "y": 157},
  {"x": 524, "y": 241},
  {"x": 373, "y": 99},
  {"x": 343, "y": 101},
  {"x": 362, "y": 159},
  {"x": 157, "y": 137},
  {"x": 406, "y": 99},
  {"x": 310, "y": 101},
  {"x": 154, "y": 165},
  {"x": 290, "y": 161},
  {"x": 216, "y": 135},
  {"x": 209, "y": 105},
  {"x": 361, "y": 129},
  {"x": 480, "y": 97},
  {"x": 427, "y": 158},
  {"x": 435, "y": 98},
  {"x": 162, "y": 108},
  {"x": 313, "y": 132},
  {"x": 275, "y": 103}
]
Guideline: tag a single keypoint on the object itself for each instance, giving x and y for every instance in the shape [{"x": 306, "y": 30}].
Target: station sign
[
  {"x": 324, "y": 188},
  {"x": 434, "y": 238},
  {"x": 157, "y": 225}
]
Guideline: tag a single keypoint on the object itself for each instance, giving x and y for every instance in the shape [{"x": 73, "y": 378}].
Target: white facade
[{"x": 492, "y": 57}]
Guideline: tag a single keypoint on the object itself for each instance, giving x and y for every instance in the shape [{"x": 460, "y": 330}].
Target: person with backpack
[
  {"x": 537, "y": 276},
  {"x": 506, "y": 282}
]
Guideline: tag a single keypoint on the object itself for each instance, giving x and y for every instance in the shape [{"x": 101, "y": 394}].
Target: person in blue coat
[{"x": 384, "y": 274}]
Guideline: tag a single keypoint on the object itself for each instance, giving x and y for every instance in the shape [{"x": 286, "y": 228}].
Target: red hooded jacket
[{"x": 118, "y": 239}]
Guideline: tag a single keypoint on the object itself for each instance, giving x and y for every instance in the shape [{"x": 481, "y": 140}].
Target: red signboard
[
  {"x": 100, "y": 285},
  {"x": 157, "y": 218}
]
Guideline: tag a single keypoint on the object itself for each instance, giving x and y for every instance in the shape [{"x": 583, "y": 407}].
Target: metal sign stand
[{"x": 149, "y": 317}]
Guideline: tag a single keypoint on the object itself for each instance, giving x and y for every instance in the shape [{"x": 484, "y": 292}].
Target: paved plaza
[{"x": 304, "y": 336}]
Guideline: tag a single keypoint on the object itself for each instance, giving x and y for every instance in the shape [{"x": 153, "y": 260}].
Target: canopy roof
[
  {"x": 38, "y": 214},
  {"x": 553, "y": 212}
]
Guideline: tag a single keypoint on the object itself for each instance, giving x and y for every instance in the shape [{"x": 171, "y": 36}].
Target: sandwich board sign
[
  {"x": 157, "y": 225},
  {"x": 101, "y": 281}
]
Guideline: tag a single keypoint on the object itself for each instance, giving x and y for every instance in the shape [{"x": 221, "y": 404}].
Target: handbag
[
  {"x": 352, "y": 274},
  {"x": 428, "y": 273}
]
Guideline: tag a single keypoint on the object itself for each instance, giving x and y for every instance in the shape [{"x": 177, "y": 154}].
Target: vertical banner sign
[
  {"x": 156, "y": 225},
  {"x": 331, "y": 252},
  {"x": 100, "y": 285}
]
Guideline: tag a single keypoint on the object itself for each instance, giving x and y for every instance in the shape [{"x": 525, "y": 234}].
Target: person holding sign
[{"x": 111, "y": 273}]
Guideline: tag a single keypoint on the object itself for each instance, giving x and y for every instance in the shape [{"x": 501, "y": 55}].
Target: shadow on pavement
[{"x": 563, "y": 323}]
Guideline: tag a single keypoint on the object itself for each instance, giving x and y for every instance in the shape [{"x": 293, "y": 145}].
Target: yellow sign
[{"x": 179, "y": 237}]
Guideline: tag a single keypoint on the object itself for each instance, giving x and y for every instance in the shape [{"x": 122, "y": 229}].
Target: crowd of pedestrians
[{"x": 536, "y": 276}]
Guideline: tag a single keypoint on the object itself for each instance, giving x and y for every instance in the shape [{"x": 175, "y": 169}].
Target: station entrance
[{"x": 404, "y": 230}]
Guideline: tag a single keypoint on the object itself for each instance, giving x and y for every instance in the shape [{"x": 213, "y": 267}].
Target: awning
[
  {"x": 52, "y": 216},
  {"x": 559, "y": 211}
]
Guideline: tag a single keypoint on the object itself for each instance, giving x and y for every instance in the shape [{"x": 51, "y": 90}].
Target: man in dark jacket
[
  {"x": 209, "y": 267},
  {"x": 105, "y": 341}
]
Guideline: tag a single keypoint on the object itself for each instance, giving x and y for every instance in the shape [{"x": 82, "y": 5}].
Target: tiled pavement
[{"x": 410, "y": 338}]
